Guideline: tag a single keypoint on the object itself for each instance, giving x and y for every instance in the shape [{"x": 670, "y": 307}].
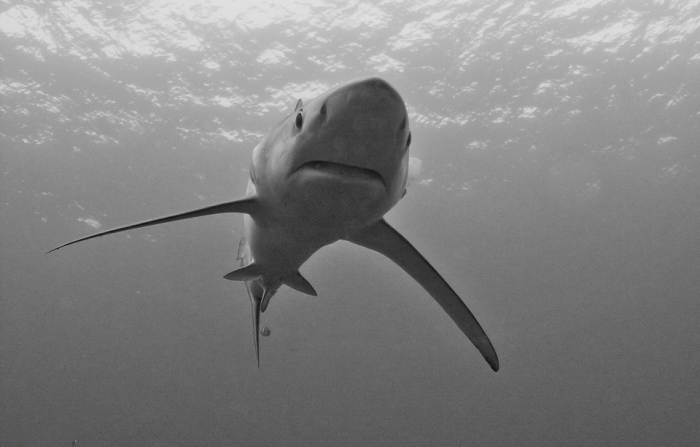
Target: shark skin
[{"x": 329, "y": 171}]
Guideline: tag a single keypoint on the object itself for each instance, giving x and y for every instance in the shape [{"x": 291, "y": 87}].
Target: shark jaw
[{"x": 339, "y": 172}]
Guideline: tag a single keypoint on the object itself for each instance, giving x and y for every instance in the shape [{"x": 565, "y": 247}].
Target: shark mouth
[{"x": 342, "y": 170}]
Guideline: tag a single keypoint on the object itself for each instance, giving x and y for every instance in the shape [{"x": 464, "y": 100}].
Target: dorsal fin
[
  {"x": 255, "y": 303},
  {"x": 241, "y": 251},
  {"x": 298, "y": 106}
]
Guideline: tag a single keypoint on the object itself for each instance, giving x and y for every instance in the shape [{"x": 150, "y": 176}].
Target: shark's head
[{"x": 341, "y": 156}]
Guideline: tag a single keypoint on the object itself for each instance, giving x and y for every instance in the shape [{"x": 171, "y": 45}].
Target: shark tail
[
  {"x": 254, "y": 288},
  {"x": 255, "y": 304}
]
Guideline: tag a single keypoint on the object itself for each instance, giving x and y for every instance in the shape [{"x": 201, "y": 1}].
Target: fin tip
[{"x": 493, "y": 362}]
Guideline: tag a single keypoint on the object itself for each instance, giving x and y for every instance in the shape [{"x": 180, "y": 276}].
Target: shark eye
[
  {"x": 299, "y": 120},
  {"x": 408, "y": 141}
]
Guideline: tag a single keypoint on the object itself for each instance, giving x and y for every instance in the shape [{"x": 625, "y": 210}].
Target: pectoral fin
[
  {"x": 246, "y": 205},
  {"x": 382, "y": 238}
]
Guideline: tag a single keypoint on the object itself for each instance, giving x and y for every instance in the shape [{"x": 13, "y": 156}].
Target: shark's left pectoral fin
[
  {"x": 247, "y": 205},
  {"x": 382, "y": 238}
]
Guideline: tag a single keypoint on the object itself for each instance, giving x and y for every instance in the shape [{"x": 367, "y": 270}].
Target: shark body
[{"x": 329, "y": 171}]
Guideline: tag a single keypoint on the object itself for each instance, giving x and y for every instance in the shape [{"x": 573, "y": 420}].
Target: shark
[{"x": 327, "y": 172}]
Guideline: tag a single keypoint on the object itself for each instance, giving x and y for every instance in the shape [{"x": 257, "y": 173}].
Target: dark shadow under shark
[{"x": 329, "y": 171}]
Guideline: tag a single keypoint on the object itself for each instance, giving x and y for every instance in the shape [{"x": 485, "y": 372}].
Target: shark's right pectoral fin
[
  {"x": 247, "y": 205},
  {"x": 382, "y": 238}
]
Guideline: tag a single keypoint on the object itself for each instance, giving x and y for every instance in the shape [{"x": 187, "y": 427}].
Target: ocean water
[{"x": 559, "y": 196}]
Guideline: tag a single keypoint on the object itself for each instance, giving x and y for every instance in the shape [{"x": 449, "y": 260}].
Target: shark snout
[
  {"x": 373, "y": 94},
  {"x": 361, "y": 127},
  {"x": 372, "y": 126}
]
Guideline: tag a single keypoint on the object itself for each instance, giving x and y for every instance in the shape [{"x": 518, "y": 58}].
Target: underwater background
[{"x": 559, "y": 196}]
